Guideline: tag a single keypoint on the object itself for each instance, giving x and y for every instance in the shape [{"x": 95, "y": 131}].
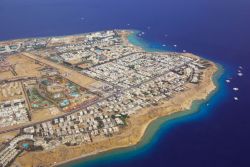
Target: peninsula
[{"x": 64, "y": 98}]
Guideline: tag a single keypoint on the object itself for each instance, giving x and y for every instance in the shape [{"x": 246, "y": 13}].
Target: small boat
[
  {"x": 175, "y": 45},
  {"x": 228, "y": 81},
  {"x": 240, "y": 74},
  {"x": 236, "y": 98},
  {"x": 235, "y": 89},
  {"x": 164, "y": 45}
]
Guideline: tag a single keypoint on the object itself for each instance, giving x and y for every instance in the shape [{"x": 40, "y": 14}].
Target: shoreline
[
  {"x": 62, "y": 36},
  {"x": 147, "y": 135},
  {"x": 141, "y": 122}
]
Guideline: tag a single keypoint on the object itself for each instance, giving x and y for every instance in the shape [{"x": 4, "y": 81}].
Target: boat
[
  {"x": 235, "y": 89},
  {"x": 236, "y": 98},
  {"x": 240, "y": 74}
]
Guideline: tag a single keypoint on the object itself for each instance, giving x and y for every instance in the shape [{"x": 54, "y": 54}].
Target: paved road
[
  {"x": 66, "y": 114},
  {"x": 92, "y": 102},
  {"x": 74, "y": 76}
]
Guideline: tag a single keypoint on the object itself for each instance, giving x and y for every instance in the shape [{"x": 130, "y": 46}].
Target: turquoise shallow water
[
  {"x": 160, "y": 126},
  {"x": 215, "y": 136},
  {"x": 147, "y": 45}
]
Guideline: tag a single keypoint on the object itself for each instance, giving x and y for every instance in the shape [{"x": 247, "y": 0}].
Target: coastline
[
  {"x": 60, "y": 36},
  {"x": 213, "y": 133},
  {"x": 147, "y": 136},
  {"x": 150, "y": 127},
  {"x": 147, "y": 117}
]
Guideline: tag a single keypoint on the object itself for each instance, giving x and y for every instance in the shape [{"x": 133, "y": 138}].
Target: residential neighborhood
[{"x": 97, "y": 81}]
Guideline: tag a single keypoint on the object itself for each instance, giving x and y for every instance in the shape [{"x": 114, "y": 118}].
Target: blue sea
[{"x": 215, "y": 132}]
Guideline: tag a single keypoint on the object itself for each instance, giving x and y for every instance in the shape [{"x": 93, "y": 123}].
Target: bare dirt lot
[
  {"x": 71, "y": 75},
  {"x": 24, "y": 66}
]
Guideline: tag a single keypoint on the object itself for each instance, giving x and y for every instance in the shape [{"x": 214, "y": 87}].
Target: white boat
[
  {"x": 228, "y": 81},
  {"x": 236, "y": 98},
  {"x": 235, "y": 89},
  {"x": 240, "y": 74}
]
